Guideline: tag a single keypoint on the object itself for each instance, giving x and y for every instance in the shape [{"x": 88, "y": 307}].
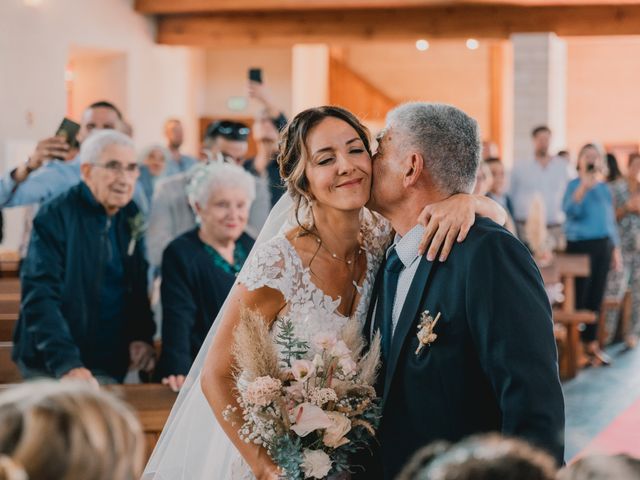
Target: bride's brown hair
[{"x": 293, "y": 152}]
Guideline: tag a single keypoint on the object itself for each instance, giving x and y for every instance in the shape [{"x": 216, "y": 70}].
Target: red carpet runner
[{"x": 621, "y": 436}]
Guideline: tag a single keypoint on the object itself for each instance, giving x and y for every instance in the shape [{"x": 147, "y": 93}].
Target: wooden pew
[
  {"x": 152, "y": 403},
  {"x": 7, "y": 325},
  {"x": 9, "y": 267},
  {"x": 569, "y": 268},
  {"x": 9, "y": 303},
  {"x": 10, "y": 285},
  {"x": 9, "y": 372}
]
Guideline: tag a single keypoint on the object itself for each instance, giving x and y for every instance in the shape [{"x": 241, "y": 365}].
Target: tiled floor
[{"x": 596, "y": 396}]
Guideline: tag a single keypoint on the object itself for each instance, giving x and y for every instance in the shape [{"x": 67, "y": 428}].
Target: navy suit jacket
[{"x": 494, "y": 364}]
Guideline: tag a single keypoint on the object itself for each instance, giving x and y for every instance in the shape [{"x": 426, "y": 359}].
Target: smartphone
[
  {"x": 255, "y": 75},
  {"x": 69, "y": 130}
]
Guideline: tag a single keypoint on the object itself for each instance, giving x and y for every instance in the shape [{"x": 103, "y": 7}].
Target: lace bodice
[{"x": 276, "y": 264}]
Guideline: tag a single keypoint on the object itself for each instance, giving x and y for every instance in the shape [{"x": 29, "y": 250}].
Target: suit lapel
[{"x": 407, "y": 318}]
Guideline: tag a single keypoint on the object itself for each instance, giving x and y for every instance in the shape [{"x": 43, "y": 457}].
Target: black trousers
[{"x": 590, "y": 290}]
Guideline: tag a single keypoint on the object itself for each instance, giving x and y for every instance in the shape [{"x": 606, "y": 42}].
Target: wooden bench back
[{"x": 9, "y": 372}]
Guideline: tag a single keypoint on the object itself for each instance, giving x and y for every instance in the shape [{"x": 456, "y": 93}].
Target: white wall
[
  {"x": 603, "y": 94},
  {"x": 227, "y": 76},
  {"x": 35, "y": 46}
]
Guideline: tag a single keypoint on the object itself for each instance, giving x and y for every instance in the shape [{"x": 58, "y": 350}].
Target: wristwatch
[{"x": 27, "y": 168}]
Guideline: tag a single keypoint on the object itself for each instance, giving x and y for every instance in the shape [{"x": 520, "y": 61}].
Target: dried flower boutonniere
[
  {"x": 425, "y": 330},
  {"x": 137, "y": 227}
]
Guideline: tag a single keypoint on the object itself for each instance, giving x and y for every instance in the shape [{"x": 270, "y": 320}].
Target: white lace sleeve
[{"x": 267, "y": 267}]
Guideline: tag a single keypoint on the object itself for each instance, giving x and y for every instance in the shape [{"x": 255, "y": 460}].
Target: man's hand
[
  {"x": 616, "y": 260},
  {"x": 81, "y": 373},
  {"x": 258, "y": 91},
  {"x": 142, "y": 356},
  {"x": 53, "y": 147},
  {"x": 174, "y": 382},
  {"x": 445, "y": 223}
]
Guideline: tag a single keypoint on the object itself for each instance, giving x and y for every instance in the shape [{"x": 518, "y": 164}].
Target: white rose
[
  {"x": 334, "y": 436},
  {"x": 302, "y": 369},
  {"x": 315, "y": 463}
]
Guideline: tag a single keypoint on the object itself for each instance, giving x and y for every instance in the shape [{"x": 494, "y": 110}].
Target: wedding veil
[{"x": 193, "y": 445}]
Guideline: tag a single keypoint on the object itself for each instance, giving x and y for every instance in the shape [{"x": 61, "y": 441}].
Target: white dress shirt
[
  {"x": 407, "y": 250},
  {"x": 530, "y": 178}
]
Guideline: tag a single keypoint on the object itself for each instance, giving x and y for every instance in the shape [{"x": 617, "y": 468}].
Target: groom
[{"x": 490, "y": 363}]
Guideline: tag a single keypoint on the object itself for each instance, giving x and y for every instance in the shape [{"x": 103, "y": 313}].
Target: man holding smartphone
[
  {"x": 41, "y": 178},
  {"x": 267, "y": 124}
]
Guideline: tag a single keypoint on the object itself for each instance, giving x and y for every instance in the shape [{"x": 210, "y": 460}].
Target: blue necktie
[{"x": 384, "y": 309}]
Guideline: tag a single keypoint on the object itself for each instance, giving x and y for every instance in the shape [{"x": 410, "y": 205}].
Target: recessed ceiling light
[
  {"x": 472, "y": 44},
  {"x": 422, "y": 45}
]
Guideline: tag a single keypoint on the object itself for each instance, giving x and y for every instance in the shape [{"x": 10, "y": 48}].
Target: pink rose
[{"x": 334, "y": 436}]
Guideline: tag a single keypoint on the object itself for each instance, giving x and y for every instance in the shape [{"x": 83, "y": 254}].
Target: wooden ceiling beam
[
  {"x": 346, "y": 26},
  {"x": 165, "y": 7}
]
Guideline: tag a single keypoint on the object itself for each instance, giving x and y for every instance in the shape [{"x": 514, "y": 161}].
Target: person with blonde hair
[{"x": 67, "y": 431}]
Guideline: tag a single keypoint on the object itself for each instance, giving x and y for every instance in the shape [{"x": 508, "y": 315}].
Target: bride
[{"x": 314, "y": 264}]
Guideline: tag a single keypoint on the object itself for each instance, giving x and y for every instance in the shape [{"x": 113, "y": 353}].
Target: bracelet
[{"x": 27, "y": 167}]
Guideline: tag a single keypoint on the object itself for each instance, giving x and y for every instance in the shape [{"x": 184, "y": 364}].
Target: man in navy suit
[{"x": 467, "y": 344}]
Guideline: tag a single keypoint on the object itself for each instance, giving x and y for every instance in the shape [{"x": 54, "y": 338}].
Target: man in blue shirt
[
  {"x": 179, "y": 162},
  {"x": 53, "y": 167},
  {"x": 85, "y": 311},
  {"x": 43, "y": 176}
]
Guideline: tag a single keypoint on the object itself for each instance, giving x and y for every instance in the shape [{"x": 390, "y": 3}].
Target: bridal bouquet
[{"x": 310, "y": 405}]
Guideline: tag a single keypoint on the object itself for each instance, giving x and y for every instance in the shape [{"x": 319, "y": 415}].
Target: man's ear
[
  {"x": 414, "y": 170},
  {"x": 85, "y": 170}
]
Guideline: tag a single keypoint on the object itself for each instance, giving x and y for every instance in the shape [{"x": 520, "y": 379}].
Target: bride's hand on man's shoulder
[
  {"x": 174, "y": 382},
  {"x": 445, "y": 223}
]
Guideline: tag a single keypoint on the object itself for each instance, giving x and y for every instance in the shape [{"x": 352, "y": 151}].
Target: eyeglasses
[{"x": 116, "y": 167}]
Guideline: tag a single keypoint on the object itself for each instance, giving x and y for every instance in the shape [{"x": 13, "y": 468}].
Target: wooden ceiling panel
[
  {"x": 345, "y": 26},
  {"x": 218, "y": 6}
]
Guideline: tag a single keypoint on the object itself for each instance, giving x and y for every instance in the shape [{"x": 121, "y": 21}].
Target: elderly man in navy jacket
[{"x": 85, "y": 312}]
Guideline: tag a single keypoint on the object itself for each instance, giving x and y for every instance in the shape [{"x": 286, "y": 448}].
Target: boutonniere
[
  {"x": 137, "y": 228},
  {"x": 425, "y": 330}
]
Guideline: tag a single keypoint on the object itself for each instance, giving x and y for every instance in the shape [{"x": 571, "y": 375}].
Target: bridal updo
[
  {"x": 293, "y": 154},
  {"x": 67, "y": 431}
]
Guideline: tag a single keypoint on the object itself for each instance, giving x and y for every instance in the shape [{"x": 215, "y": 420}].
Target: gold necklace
[{"x": 334, "y": 255}]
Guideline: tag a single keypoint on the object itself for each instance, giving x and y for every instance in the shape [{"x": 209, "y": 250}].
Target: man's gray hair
[
  {"x": 206, "y": 179},
  {"x": 98, "y": 141},
  {"x": 447, "y": 138}
]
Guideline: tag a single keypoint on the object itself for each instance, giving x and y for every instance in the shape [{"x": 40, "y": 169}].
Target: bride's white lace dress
[{"x": 277, "y": 265}]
